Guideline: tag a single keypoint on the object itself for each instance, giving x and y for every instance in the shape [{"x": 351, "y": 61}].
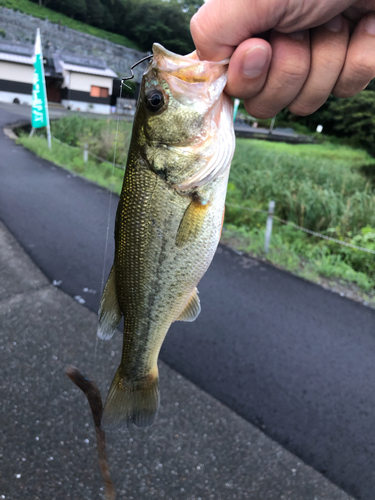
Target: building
[
  {"x": 16, "y": 73},
  {"x": 86, "y": 84},
  {"x": 78, "y": 83}
]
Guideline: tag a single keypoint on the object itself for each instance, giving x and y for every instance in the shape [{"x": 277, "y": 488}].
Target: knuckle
[
  {"x": 303, "y": 108},
  {"x": 361, "y": 67},
  {"x": 194, "y": 27},
  {"x": 259, "y": 111},
  {"x": 197, "y": 32},
  {"x": 243, "y": 91},
  {"x": 344, "y": 91},
  {"x": 292, "y": 69}
]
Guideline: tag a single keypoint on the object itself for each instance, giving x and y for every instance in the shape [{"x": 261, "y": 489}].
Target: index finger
[{"x": 220, "y": 25}]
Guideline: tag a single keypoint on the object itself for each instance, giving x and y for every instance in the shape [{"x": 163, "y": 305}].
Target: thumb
[{"x": 248, "y": 68}]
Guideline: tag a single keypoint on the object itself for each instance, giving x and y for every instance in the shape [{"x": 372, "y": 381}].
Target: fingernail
[
  {"x": 298, "y": 35},
  {"x": 334, "y": 24},
  {"x": 255, "y": 61},
  {"x": 370, "y": 25}
]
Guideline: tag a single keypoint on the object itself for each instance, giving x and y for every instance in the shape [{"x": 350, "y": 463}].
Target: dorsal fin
[{"x": 192, "y": 308}]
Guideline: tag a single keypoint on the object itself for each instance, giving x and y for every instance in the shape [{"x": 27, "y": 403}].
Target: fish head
[{"x": 185, "y": 120}]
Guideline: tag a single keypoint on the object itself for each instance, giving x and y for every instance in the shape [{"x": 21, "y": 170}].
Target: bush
[
  {"x": 98, "y": 134},
  {"x": 316, "y": 192}
]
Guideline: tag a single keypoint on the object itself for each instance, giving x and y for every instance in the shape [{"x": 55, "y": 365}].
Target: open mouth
[{"x": 187, "y": 68}]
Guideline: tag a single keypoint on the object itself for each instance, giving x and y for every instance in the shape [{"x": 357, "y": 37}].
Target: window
[{"x": 99, "y": 91}]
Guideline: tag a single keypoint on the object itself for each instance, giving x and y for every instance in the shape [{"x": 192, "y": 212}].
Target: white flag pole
[{"x": 39, "y": 108}]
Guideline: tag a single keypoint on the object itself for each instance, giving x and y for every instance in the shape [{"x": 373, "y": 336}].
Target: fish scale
[{"x": 165, "y": 236}]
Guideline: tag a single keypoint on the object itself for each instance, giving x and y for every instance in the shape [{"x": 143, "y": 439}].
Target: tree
[
  {"x": 355, "y": 118},
  {"x": 95, "y": 11},
  {"x": 190, "y": 6},
  {"x": 71, "y": 8},
  {"x": 150, "y": 21}
]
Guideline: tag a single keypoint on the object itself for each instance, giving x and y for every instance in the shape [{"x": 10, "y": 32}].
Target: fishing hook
[{"x": 131, "y": 69}]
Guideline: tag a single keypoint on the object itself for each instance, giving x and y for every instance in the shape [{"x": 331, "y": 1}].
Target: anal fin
[
  {"x": 192, "y": 308},
  {"x": 109, "y": 311},
  {"x": 192, "y": 221}
]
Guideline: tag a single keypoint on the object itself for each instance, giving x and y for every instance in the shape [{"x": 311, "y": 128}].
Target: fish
[{"x": 168, "y": 221}]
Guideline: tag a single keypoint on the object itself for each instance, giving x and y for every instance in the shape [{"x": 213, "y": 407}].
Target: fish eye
[{"x": 154, "y": 100}]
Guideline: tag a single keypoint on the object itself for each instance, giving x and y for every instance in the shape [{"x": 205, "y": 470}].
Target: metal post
[
  {"x": 86, "y": 153},
  {"x": 49, "y": 135},
  {"x": 32, "y": 132},
  {"x": 272, "y": 124},
  {"x": 271, "y": 208},
  {"x": 235, "y": 109}
]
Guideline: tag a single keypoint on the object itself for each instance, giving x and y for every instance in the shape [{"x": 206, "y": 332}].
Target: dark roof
[
  {"x": 78, "y": 60},
  {"x": 55, "y": 60},
  {"x": 21, "y": 50}
]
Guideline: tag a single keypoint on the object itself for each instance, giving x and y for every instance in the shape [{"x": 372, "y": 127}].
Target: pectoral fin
[
  {"x": 109, "y": 311},
  {"x": 192, "y": 308},
  {"x": 192, "y": 221}
]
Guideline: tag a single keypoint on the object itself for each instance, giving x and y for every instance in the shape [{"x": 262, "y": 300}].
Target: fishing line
[{"x": 109, "y": 215}]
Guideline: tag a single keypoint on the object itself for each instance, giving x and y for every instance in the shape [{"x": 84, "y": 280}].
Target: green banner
[{"x": 39, "y": 107}]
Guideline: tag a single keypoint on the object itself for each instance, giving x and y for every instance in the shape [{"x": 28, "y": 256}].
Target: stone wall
[{"x": 21, "y": 28}]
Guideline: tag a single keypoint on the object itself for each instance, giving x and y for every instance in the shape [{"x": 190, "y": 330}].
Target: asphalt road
[{"x": 289, "y": 356}]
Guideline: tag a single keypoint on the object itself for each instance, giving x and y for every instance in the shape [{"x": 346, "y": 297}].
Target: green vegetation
[
  {"x": 41, "y": 12},
  {"x": 315, "y": 186},
  {"x": 352, "y": 120},
  {"x": 100, "y": 135},
  {"x": 321, "y": 187}
]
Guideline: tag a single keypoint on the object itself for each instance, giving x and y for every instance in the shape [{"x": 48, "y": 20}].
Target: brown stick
[{"x": 92, "y": 394}]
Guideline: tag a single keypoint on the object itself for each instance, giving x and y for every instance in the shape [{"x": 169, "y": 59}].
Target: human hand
[{"x": 311, "y": 48}]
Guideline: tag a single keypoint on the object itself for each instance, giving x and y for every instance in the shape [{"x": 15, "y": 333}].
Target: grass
[
  {"x": 56, "y": 17},
  {"x": 318, "y": 186},
  {"x": 100, "y": 136}
]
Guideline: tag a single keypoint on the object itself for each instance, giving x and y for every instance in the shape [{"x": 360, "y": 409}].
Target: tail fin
[{"x": 131, "y": 402}]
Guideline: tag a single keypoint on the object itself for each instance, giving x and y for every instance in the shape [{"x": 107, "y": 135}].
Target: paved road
[
  {"x": 296, "y": 360},
  {"x": 197, "y": 448}
]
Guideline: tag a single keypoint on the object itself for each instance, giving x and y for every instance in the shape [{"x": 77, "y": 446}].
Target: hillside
[
  {"x": 19, "y": 28},
  {"x": 56, "y": 17}
]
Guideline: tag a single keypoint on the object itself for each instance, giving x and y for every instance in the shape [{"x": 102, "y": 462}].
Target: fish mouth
[{"x": 188, "y": 68}]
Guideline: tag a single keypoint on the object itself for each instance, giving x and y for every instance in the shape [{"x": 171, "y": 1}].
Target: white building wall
[
  {"x": 87, "y": 107},
  {"x": 16, "y": 72},
  {"x": 11, "y": 96},
  {"x": 83, "y": 82}
]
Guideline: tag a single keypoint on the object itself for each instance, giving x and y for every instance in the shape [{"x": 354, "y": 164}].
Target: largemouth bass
[{"x": 168, "y": 221}]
